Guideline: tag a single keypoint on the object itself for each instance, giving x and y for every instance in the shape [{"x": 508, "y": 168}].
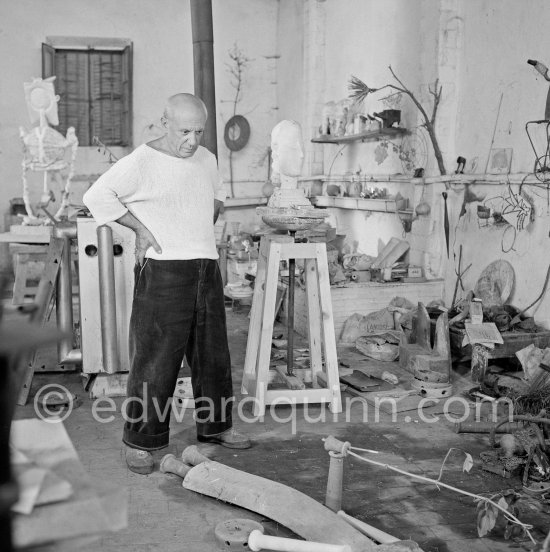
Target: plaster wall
[
  {"x": 290, "y": 60},
  {"x": 499, "y": 38},
  {"x": 478, "y": 50},
  {"x": 363, "y": 38},
  {"x": 499, "y": 93}
]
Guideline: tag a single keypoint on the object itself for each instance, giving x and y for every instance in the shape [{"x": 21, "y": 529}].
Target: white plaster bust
[{"x": 287, "y": 153}]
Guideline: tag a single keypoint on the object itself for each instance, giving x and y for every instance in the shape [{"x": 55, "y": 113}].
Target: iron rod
[{"x": 290, "y": 316}]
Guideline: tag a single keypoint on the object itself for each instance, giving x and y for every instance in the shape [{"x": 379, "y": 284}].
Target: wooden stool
[{"x": 256, "y": 376}]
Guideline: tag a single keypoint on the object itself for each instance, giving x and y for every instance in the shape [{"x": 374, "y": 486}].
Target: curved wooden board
[{"x": 289, "y": 507}]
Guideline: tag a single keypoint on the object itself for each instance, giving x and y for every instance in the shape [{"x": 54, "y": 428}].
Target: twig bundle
[{"x": 359, "y": 90}]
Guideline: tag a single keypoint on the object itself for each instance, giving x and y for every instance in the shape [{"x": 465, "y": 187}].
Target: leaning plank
[{"x": 305, "y": 516}]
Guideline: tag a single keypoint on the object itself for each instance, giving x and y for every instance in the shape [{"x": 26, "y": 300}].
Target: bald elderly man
[{"x": 169, "y": 193}]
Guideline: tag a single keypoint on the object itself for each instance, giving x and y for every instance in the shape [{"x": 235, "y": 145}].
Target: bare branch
[
  {"x": 436, "y": 93},
  {"x": 359, "y": 91}
]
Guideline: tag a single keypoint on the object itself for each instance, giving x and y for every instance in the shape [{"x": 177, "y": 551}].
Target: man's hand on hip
[
  {"x": 218, "y": 208},
  {"x": 144, "y": 240}
]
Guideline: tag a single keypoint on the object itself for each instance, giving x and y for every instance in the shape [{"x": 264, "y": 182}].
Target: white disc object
[
  {"x": 233, "y": 534},
  {"x": 430, "y": 390}
]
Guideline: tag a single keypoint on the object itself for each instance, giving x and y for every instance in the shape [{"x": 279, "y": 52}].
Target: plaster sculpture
[
  {"x": 286, "y": 166},
  {"x": 44, "y": 148},
  {"x": 288, "y": 207}
]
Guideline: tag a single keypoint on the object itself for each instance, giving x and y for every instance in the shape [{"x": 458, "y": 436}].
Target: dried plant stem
[{"x": 438, "y": 483}]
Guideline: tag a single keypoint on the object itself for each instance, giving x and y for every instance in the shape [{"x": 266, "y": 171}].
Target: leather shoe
[
  {"x": 139, "y": 461},
  {"x": 229, "y": 438}
]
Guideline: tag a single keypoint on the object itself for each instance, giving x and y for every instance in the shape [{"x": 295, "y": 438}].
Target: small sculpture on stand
[
  {"x": 288, "y": 208},
  {"x": 44, "y": 149}
]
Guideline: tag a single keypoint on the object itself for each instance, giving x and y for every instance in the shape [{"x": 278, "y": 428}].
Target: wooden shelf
[
  {"x": 360, "y": 204},
  {"x": 361, "y": 137}
]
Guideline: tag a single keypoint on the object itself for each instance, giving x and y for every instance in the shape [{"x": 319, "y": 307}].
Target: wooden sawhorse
[{"x": 256, "y": 377}]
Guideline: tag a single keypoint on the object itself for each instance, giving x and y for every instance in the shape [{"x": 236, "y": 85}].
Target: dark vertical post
[
  {"x": 203, "y": 63},
  {"x": 290, "y": 316},
  {"x": 8, "y": 488}
]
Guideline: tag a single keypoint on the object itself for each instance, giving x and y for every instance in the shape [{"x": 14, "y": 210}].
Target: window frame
[{"x": 52, "y": 44}]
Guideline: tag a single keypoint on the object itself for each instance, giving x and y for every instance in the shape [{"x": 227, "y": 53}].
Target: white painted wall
[
  {"x": 363, "y": 38},
  {"x": 499, "y": 37}
]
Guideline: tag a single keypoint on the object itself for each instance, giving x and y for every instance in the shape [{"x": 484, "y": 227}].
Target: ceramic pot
[
  {"x": 333, "y": 190},
  {"x": 354, "y": 189},
  {"x": 423, "y": 208}
]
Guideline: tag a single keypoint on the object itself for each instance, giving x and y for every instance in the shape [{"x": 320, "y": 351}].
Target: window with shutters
[{"x": 94, "y": 82}]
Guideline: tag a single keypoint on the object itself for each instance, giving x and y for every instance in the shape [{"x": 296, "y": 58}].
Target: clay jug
[{"x": 354, "y": 189}]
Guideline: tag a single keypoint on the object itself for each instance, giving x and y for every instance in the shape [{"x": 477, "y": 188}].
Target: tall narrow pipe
[
  {"x": 203, "y": 64},
  {"x": 64, "y": 301},
  {"x": 107, "y": 298},
  {"x": 290, "y": 318}
]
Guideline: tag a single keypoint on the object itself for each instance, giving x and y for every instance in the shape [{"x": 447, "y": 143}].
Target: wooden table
[
  {"x": 16, "y": 237},
  {"x": 480, "y": 355}
]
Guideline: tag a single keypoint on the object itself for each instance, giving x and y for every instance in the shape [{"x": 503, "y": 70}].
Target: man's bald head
[
  {"x": 184, "y": 103},
  {"x": 184, "y": 120}
]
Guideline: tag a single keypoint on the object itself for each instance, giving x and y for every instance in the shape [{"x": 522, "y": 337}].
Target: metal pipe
[
  {"x": 290, "y": 315},
  {"x": 72, "y": 356},
  {"x": 203, "y": 64},
  {"x": 107, "y": 298},
  {"x": 64, "y": 301}
]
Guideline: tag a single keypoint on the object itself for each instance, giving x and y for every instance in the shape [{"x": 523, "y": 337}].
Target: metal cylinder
[
  {"x": 333, "y": 498},
  {"x": 64, "y": 300},
  {"x": 290, "y": 317},
  {"x": 203, "y": 64},
  {"x": 107, "y": 298}
]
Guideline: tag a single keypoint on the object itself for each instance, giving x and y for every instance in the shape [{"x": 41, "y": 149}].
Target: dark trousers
[{"x": 178, "y": 310}]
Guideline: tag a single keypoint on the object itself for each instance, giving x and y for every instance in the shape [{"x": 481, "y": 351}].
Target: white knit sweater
[{"x": 173, "y": 197}]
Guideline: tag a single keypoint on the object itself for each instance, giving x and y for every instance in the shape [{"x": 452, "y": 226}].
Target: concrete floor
[{"x": 162, "y": 516}]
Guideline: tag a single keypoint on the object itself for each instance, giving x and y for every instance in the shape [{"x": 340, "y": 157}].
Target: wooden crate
[{"x": 364, "y": 298}]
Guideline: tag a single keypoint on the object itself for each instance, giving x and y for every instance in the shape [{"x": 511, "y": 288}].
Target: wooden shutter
[
  {"x": 127, "y": 103},
  {"x": 48, "y": 61},
  {"x": 73, "y": 87},
  {"x": 106, "y": 96}
]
